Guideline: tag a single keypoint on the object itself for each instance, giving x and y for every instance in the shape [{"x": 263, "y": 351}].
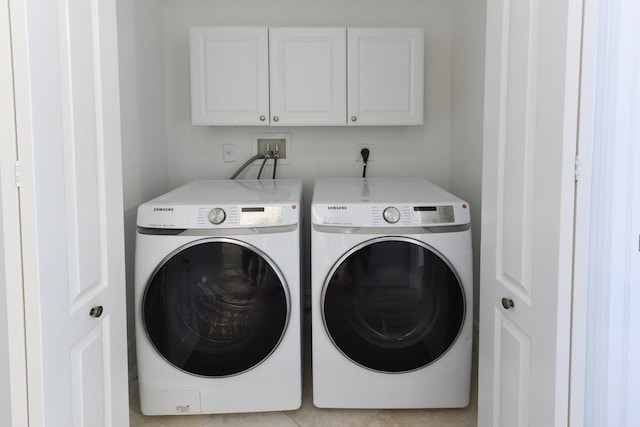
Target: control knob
[
  {"x": 391, "y": 215},
  {"x": 217, "y": 216}
]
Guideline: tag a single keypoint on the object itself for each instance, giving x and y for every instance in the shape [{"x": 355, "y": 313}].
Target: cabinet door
[
  {"x": 307, "y": 76},
  {"x": 385, "y": 76},
  {"x": 229, "y": 76}
]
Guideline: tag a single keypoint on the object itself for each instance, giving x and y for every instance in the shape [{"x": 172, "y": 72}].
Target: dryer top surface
[{"x": 412, "y": 190}]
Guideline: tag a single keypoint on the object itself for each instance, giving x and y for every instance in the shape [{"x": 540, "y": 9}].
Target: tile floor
[{"x": 310, "y": 416}]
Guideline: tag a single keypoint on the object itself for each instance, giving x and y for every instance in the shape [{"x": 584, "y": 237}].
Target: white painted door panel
[
  {"x": 229, "y": 75},
  {"x": 13, "y": 378},
  {"x": 308, "y": 76},
  {"x": 67, "y": 111},
  {"x": 385, "y": 76},
  {"x": 531, "y": 95}
]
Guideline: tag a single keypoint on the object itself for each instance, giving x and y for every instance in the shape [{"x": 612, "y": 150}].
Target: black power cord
[{"x": 365, "y": 157}]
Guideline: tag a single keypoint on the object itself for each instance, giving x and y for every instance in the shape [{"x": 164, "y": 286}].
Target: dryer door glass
[
  {"x": 216, "y": 307},
  {"x": 393, "y": 305}
]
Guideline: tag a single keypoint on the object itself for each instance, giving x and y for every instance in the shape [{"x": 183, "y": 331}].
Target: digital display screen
[
  {"x": 262, "y": 215},
  {"x": 433, "y": 214}
]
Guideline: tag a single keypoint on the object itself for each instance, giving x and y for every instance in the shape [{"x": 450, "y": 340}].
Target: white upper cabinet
[
  {"x": 229, "y": 76},
  {"x": 308, "y": 76},
  {"x": 386, "y": 76}
]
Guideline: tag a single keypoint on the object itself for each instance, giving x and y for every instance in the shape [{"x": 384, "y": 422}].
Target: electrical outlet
[
  {"x": 229, "y": 152},
  {"x": 276, "y": 142},
  {"x": 358, "y": 155}
]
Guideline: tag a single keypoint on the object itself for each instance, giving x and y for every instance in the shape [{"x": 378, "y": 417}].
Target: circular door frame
[
  {"x": 391, "y": 238},
  {"x": 229, "y": 240}
]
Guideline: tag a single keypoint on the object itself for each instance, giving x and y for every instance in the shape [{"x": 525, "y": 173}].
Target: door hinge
[
  {"x": 576, "y": 171},
  {"x": 16, "y": 172}
]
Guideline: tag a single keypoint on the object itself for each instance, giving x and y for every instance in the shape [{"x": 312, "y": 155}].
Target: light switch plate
[{"x": 229, "y": 152}]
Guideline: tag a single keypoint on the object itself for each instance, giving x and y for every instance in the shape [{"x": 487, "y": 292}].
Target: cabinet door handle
[
  {"x": 262, "y": 118},
  {"x": 354, "y": 118},
  {"x": 276, "y": 118}
]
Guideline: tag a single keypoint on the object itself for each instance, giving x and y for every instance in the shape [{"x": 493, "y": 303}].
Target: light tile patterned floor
[{"x": 310, "y": 416}]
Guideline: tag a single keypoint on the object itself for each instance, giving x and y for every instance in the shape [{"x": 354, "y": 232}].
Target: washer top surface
[
  {"x": 390, "y": 201},
  {"x": 224, "y": 204},
  {"x": 230, "y": 191}
]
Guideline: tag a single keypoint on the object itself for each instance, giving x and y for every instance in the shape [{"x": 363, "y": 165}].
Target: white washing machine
[
  {"x": 217, "y": 294},
  {"x": 391, "y": 294}
]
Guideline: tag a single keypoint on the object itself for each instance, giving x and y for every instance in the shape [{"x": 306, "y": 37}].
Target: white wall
[
  {"x": 467, "y": 106},
  {"x": 144, "y": 146}
]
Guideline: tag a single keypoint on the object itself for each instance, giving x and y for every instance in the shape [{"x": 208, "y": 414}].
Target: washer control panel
[
  {"x": 217, "y": 216},
  {"x": 391, "y": 215},
  {"x": 239, "y": 215}
]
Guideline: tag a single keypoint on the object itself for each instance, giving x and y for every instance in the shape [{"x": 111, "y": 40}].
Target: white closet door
[
  {"x": 68, "y": 128},
  {"x": 308, "y": 76},
  {"x": 531, "y": 110},
  {"x": 13, "y": 377}
]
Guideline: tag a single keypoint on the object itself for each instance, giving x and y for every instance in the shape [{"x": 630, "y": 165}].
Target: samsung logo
[
  {"x": 337, "y": 208},
  {"x": 163, "y": 209}
]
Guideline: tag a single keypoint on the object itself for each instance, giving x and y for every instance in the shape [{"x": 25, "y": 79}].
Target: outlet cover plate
[{"x": 358, "y": 148}]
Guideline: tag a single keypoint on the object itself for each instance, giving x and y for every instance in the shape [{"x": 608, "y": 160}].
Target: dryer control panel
[
  {"x": 400, "y": 215},
  {"x": 434, "y": 214}
]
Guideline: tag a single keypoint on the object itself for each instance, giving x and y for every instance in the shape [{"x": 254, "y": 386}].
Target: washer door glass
[
  {"x": 393, "y": 304},
  {"x": 216, "y": 307}
]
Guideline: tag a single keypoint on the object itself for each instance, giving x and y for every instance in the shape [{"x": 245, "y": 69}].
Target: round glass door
[
  {"x": 393, "y": 304},
  {"x": 216, "y": 307}
]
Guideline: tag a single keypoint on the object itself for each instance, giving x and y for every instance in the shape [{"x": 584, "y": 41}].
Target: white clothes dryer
[
  {"x": 391, "y": 294},
  {"x": 217, "y": 295}
]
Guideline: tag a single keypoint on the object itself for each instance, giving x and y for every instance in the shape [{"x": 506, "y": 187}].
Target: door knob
[
  {"x": 96, "y": 311},
  {"x": 507, "y": 303}
]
